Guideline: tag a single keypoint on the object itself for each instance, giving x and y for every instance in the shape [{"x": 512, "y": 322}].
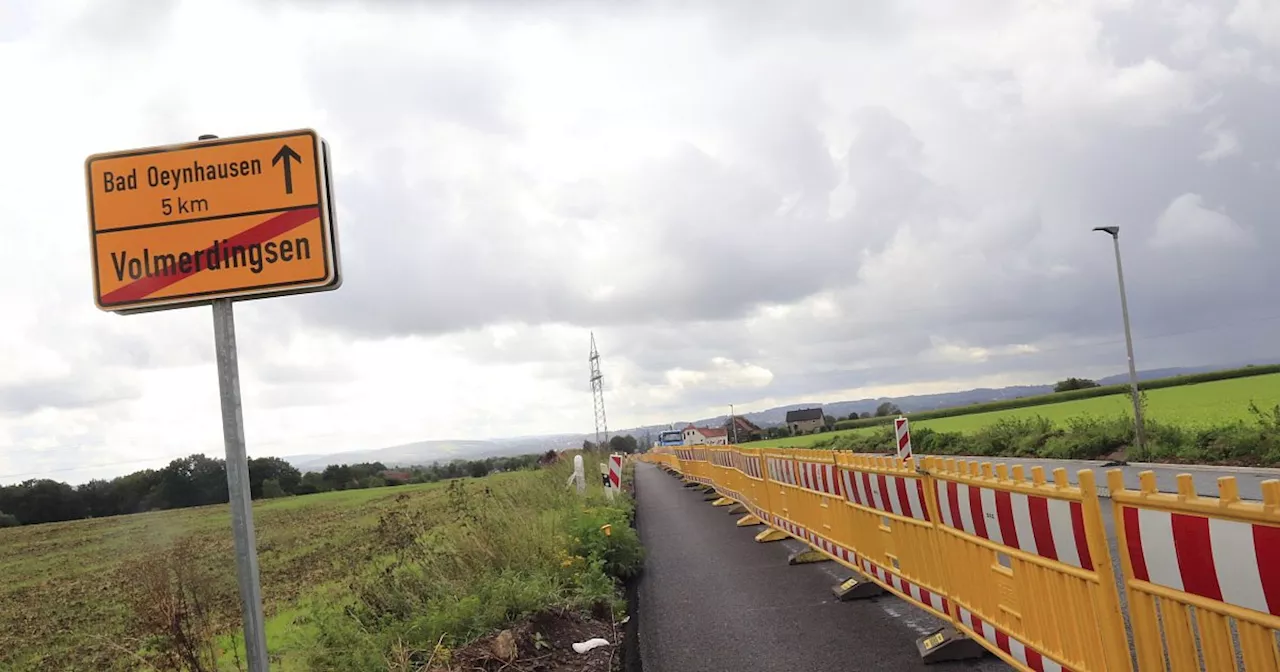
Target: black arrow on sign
[{"x": 285, "y": 154}]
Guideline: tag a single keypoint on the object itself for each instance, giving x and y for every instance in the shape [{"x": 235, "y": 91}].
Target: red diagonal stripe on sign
[{"x": 258, "y": 234}]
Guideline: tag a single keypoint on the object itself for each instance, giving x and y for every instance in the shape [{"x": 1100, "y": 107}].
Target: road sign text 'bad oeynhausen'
[{"x": 228, "y": 218}]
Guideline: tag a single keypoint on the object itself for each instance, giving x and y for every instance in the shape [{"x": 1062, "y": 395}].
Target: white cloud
[
  {"x": 1188, "y": 223},
  {"x": 1223, "y": 142},
  {"x": 1259, "y": 19}
]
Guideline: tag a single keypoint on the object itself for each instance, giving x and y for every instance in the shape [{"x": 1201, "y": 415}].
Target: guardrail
[{"x": 1018, "y": 563}]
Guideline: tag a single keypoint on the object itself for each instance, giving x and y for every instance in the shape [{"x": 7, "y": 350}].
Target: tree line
[{"x": 198, "y": 480}]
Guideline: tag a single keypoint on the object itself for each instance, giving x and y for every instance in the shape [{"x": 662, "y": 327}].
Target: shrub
[
  {"x": 8, "y": 520},
  {"x": 271, "y": 489}
]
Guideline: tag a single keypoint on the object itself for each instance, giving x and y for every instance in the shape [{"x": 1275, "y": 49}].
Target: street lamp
[
  {"x": 1140, "y": 437},
  {"x": 733, "y": 425}
]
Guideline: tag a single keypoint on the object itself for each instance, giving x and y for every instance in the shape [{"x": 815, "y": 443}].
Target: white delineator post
[
  {"x": 579, "y": 475},
  {"x": 903, "y": 432}
]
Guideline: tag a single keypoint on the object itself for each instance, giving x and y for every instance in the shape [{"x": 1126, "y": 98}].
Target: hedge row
[{"x": 1072, "y": 395}]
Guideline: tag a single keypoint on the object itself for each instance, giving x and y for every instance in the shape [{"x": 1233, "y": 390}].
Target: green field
[
  {"x": 1191, "y": 406},
  {"x": 63, "y": 602},
  {"x": 350, "y": 579}
]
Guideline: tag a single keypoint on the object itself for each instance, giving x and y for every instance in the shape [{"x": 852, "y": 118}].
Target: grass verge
[{"x": 487, "y": 558}]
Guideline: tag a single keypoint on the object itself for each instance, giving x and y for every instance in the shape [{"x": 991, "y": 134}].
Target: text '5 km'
[{"x": 233, "y": 217}]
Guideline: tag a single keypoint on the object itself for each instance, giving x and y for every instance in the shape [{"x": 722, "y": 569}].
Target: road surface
[{"x": 712, "y": 599}]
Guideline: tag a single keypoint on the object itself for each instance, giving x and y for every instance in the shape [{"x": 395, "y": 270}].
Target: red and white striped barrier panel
[
  {"x": 891, "y": 494},
  {"x": 1222, "y": 560},
  {"x": 1044, "y": 526},
  {"x": 782, "y": 470},
  {"x": 819, "y": 477}
]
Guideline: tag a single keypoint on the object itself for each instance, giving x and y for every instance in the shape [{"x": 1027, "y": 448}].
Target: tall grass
[{"x": 492, "y": 552}]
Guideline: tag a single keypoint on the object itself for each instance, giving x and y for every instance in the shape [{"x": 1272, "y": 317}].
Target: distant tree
[
  {"x": 41, "y": 501},
  {"x": 625, "y": 444},
  {"x": 7, "y": 520},
  {"x": 195, "y": 480},
  {"x": 776, "y": 432},
  {"x": 478, "y": 469},
  {"x": 1074, "y": 384},
  {"x": 887, "y": 408},
  {"x": 852, "y": 416},
  {"x": 829, "y": 421},
  {"x": 271, "y": 489},
  {"x": 99, "y": 497},
  {"x": 261, "y": 469},
  {"x": 864, "y": 415},
  {"x": 312, "y": 482},
  {"x": 587, "y": 445}
]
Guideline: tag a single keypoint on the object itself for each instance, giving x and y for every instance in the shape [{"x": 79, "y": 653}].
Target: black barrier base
[
  {"x": 737, "y": 509},
  {"x": 947, "y": 643},
  {"x": 855, "y": 588}
]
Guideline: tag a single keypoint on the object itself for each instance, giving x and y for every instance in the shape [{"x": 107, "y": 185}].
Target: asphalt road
[{"x": 713, "y": 599}]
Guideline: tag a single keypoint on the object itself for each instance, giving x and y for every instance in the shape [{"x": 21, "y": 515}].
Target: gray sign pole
[
  {"x": 224, "y": 339},
  {"x": 224, "y": 342}
]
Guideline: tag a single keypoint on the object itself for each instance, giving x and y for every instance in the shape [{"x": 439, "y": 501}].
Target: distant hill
[{"x": 426, "y": 452}]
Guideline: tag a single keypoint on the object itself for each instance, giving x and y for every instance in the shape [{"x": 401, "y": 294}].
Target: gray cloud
[{"x": 66, "y": 392}]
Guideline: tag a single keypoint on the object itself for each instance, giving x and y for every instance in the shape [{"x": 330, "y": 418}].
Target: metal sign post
[
  {"x": 224, "y": 340},
  {"x": 206, "y": 223}
]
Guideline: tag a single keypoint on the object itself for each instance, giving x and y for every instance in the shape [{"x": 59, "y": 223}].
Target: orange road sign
[{"x": 243, "y": 217}]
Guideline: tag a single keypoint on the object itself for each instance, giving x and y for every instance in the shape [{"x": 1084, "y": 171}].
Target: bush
[
  {"x": 8, "y": 520},
  {"x": 271, "y": 489},
  {"x": 1074, "y": 384}
]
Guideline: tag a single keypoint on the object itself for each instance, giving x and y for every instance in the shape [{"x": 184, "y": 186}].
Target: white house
[{"x": 705, "y": 436}]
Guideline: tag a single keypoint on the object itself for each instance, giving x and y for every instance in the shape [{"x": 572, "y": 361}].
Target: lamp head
[{"x": 1113, "y": 230}]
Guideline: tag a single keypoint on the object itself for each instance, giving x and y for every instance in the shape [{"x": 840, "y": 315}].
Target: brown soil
[{"x": 545, "y": 644}]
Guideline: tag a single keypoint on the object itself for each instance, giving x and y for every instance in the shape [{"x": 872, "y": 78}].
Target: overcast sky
[{"x": 751, "y": 202}]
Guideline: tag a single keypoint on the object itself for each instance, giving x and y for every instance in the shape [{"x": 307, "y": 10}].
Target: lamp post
[
  {"x": 733, "y": 425},
  {"x": 1140, "y": 437}
]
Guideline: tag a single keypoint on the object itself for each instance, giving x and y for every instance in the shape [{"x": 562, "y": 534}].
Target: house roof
[
  {"x": 712, "y": 432},
  {"x": 804, "y": 414},
  {"x": 744, "y": 423}
]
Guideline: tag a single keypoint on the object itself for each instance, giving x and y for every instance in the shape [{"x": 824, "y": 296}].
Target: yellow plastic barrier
[
  {"x": 886, "y": 520},
  {"x": 754, "y": 488},
  {"x": 804, "y": 495},
  {"x": 697, "y": 468},
  {"x": 1028, "y": 569},
  {"x": 1202, "y": 574},
  {"x": 720, "y": 468}
]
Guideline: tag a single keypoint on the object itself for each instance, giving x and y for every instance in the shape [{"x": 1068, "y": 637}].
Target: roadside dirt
[{"x": 544, "y": 643}]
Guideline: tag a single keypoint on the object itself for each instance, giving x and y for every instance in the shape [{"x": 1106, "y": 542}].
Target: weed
[{"x": 171, "y": 600}]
